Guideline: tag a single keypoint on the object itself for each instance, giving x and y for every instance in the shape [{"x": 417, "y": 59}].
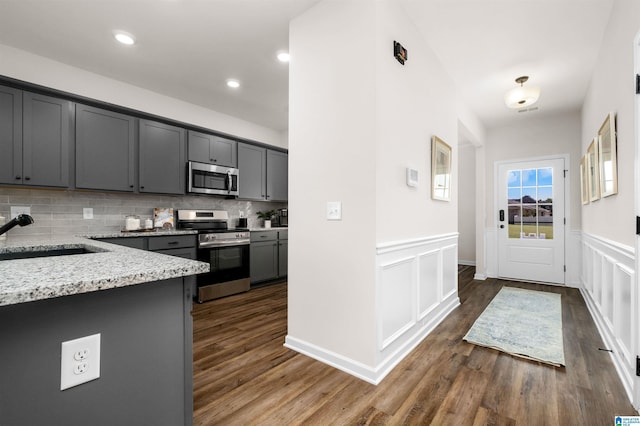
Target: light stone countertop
[{"x": 112, "y": 266}]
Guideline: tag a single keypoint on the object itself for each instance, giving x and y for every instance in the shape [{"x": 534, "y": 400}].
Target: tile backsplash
[{"x": 60, "y": 212}]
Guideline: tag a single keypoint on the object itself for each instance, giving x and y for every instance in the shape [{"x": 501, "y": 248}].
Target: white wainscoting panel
[
  {"x": 428, "y": 264},
  {"x": 416, "y": 288},
  {"x": 399, "y": 312},
  {"x": 608, "y": 287}
]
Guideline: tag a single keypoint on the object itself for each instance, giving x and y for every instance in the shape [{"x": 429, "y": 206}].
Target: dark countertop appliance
[
  {"x": 283, "y": 217},
  {"x": 226, "y": 250}
]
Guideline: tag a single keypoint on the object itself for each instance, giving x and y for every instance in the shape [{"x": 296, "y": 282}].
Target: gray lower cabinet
[
  {"x": 208, "y": 148},
  {"x": 174, "y": 245},
  {"x": 283, "y": 256},
  {"x": 263, "y": 173},
  {"x": 35, "y": 134},
  {"x": 162, "y": 158},
  {"x": 268, "y": 255},
  {"x": 105, "y": 149},
  {"x": 146, "y": 357}
]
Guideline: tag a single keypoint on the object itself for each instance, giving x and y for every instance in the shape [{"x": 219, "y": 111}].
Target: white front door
[{"x": 531, "y": 220}]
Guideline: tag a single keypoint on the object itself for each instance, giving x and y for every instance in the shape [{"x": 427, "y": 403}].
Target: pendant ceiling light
[{"x": 520, "y": 97}]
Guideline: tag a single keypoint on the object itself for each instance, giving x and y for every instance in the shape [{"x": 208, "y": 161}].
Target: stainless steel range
[{"x": 226, "y": 251}]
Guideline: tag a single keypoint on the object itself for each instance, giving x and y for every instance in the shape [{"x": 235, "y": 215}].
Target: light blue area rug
[{"x": 524, "y": 323}]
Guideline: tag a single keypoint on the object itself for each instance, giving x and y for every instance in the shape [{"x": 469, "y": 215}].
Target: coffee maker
[{"x": 283, "y": 217}]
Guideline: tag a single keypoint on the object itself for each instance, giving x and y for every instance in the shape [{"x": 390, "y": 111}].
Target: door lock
[{"x": 502, "y": 216}]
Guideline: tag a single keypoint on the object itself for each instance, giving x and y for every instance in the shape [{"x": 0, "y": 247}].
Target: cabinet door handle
[
  {"x": 27, "y": 178},
  {"x": 18, "y": 177},
  {"x": 172, "y": 243},
  {"x": 142, "y": 187}
]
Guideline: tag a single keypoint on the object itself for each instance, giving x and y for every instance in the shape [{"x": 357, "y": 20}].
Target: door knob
[{"x": 501, "y": 226}]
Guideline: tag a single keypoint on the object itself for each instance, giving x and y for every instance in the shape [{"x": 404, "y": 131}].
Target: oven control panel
[{"x": 223, "y": 239}]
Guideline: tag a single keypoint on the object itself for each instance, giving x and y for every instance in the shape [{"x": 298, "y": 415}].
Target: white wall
[
  {"x": 414, "y": 102},
  {"x": 357, "y": 120},
  {"x": 609, "y": 273},
  {"x": 332, "y": 157},
  {"x": 612, "y": 89},
  {"x": 467, "y": 206},
  {"x": 531, "y": 137},
  {"x": 35, "y": 69}
]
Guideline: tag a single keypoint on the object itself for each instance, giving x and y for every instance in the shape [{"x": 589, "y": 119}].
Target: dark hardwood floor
[{"x": 244, "y": 376}]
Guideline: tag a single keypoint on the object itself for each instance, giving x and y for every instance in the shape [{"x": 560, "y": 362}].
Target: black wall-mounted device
[{"x": 399, "y": 52}]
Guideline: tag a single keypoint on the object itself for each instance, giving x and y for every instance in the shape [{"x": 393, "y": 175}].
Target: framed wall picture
[
  {"x": 607, "y": 157},
  {"x": 593, "y": 170},
  {"x": 440, "y": 170},
  {"x": 584, "y": 180}
]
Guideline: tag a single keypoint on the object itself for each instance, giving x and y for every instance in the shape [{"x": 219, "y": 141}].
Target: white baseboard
[
  {"x": 416, "y": 287},
  {"x": 467, "y": 262},
  {"x": 373, "y": 375}
]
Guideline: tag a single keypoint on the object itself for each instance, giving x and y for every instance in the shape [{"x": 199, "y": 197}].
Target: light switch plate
[
  {"x": 87, "y": 213},
  {"x": 334, "y": 210}
]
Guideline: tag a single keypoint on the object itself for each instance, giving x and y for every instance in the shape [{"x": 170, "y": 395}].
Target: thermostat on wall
[{"x": 412, "y": 177}]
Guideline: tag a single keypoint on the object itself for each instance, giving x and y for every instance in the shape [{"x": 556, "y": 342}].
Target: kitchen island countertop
[{"x": 110, "y": 266}]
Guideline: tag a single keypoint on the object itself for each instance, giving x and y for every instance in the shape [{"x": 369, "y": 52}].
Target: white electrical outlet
[
  {"x": 18, "y": 210},
  {"x": 79, "y": 361},
  {"x": 87, "y": 213},
  {"x": 334, "y": 210}
]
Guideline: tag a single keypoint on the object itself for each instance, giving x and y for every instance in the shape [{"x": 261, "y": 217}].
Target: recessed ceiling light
[
  {"x": 234, "y": 84},
  {"x": 284, "y": 57},
  {"x": 124, "y": 37}
]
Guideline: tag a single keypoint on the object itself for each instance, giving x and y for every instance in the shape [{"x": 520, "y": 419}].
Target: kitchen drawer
[
  {"x": 263, "y": 236},
  {"x": 283, "y": 234},
  {"x": 133, "y": 242},
  {"x": 171, "y": 242},
  {"x": 187, "y": 253}
]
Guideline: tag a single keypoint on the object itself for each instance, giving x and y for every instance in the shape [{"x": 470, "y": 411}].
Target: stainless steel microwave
[{"x": 210, "y": 179}]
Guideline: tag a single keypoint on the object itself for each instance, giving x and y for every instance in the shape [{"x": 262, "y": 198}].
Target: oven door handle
[{"x": 219, "y": 244}]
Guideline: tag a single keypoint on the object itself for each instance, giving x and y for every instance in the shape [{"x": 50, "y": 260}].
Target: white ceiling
[{"x": 187, "y": 49}]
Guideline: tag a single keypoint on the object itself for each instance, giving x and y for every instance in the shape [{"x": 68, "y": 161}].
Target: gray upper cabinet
[
  {"x": 162, "y": 158},
  {"x": 263, "y": 173},
  {"x": 206, "y": 148},
  {"x": 45, "y": 144},
  {"x": 252, "y": 163},
  {"x": 10, "y": 135},
  {"x": 35, "y": 131},
  {"x": 105, "y": 147},
  {"x": 277, "y": 176}
]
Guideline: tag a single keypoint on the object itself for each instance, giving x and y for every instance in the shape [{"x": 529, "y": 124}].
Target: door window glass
[{"x": 530, "y": 195}]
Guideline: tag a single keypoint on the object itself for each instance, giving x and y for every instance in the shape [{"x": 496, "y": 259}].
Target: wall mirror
[
  {"x": 592, "y": 170},
  {"x": 440, "y": 170},
  {"x": 584, "y": 181},
  {"x": 607, "y": 157}
]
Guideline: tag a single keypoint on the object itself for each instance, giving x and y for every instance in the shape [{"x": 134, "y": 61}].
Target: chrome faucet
[{"x": 21, "y": 219}]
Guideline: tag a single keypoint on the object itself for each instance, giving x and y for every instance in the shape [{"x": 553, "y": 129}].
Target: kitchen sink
[{"x": 45, "y": 253}]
